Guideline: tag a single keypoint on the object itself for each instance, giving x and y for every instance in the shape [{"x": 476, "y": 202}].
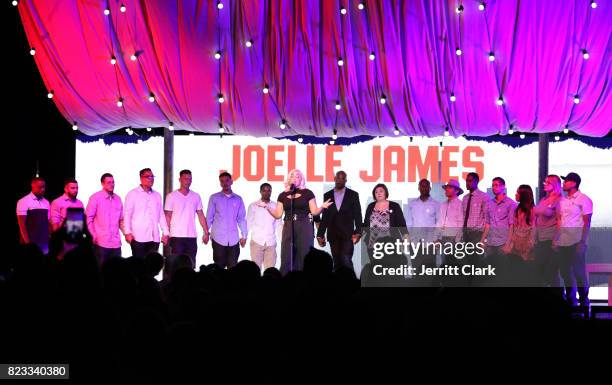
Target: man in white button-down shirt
[
  {"x": 263, "y": 227},
  {"x": 144, "y": 216}
]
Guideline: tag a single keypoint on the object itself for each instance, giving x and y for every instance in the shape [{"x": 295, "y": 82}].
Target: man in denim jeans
[{"x": 574, "y": 218}]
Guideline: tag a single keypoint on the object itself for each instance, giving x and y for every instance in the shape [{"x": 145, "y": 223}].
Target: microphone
[{"x": 293, "y": 187}]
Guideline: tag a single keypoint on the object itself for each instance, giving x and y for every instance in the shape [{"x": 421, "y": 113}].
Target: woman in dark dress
[
  {"x": 383, "y": 219},
  {"x": 304, "y": 208}
]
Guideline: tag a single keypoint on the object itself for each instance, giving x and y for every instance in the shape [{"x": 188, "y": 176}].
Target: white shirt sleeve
[
  {"x": 169, "y": 202},
  {"x": 587, "y": 205},
  {"x": 22, "y": 207}
]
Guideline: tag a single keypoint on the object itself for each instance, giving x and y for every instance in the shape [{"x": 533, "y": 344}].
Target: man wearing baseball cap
[{"x": 574, "y": 218}]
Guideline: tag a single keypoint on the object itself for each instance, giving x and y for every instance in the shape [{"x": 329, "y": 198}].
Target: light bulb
[
  {"x": 75, "y": 126},
  {"x": 453, "y": 97},
  {"x": 458, "y": 52},
  {"x": 107, "y": 11},
  {"x": 338, "y": 106},
  {"x": 481, "y": 6},
  {"x": 491, "y": 56},
  {"x": 122, "y": 9},
  {"x": 32, "y": 51},
  {"x": 372, "y": 56}
]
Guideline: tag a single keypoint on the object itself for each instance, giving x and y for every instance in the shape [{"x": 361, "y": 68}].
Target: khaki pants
[{"x": 263, "y": 254}]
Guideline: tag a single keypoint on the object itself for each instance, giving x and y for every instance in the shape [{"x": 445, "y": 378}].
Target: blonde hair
[
  {"x": 302, "y": 184},
  {"x": 556, "y": 183}
]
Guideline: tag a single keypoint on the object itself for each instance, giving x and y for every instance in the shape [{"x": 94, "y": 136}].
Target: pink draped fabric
[{"x": 538, "y": 46}]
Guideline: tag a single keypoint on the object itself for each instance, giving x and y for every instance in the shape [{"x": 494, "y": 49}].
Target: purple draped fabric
[{"x": 538, "y": 70}]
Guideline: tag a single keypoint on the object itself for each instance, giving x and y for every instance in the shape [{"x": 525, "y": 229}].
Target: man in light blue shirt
[
  {"x": 226, "y": 215},
  {"x": 500, "y": 216},
  {"x": 421, "y": 218}
]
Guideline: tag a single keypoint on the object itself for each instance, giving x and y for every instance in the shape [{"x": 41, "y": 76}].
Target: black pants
[
  {"x": 104, "y": 254},
  {"x": 472, "y": 236},
  {"x": 342, "y": 252},
  {"x": 225, "y": 256},
  {"x": 184, "y": 246},
  {"x": 573, "y": 272},
  {"x": 547, "y": 264},
  {"x": 303, "y": 238},
  {"x": 142, "y": 249}
]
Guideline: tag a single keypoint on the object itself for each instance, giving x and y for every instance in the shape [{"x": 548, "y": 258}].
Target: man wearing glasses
[{"x": 144, "y": 216}]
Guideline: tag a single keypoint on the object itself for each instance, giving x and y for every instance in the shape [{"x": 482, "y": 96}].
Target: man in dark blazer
[{"x": 342, "y": 221}]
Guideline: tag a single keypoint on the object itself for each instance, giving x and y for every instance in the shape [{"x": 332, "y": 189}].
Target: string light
[
  {"x": 221, "y": 128},
  {"x": 491, "y": 56},
  {"x": 170, "y": 126},
  {"x": 32, "y": 51},
  {"x": 15, "y": 3},
  {"x": 266, "y": 89},
  {"x": 481, "y": 6},
  {"x": 557, "y": 137},
  {"x": 338, "y": 106},
  {"x": 458, "y": 51},
  {"x": 106, "y": 11},
  {"x": 75, "y": 126},
  {"x": 122, "y": 9},
  {"x": 576, "y": 99},
  {"x": 446, "y": 133},
  {"x": 372, "y": 56},
  {"x": 343, "y": 10},
  {"x": 396, "y": 131},
  {"x": 511, "y": 130},
  {"x": 218, "y": 55},
  {"x": 566, "y": 130},
  {"x": 300, "y": 139},
  {"x": 139, "y": 141},
  {"x": 383, "y": 99},
  {"x": 593, "y": 4},
  {"x": 585, "y": 54},
  {"x": 452, "y": 97},
  {"x": 249, "y": 43},
  {"x": 459, "y": 9},
  {"x": 522, "y": 136},
  {"x": 283, "y": 124},
  {"x": 129, "y": 131},
  {"x": 113, "y": 60},
  {"x": 50, "y": 94},
  {"x": 219, "y": 5},
  {"x": 340, "y": 62},
  {"x": 151, "y": 97},
  {"x": 149, "y": 129},
  {"x": 332, "y": 142},
  {"x": 133, "y": 57},
  {"x": 361, "y": 6},
  {"x": 220, "y": 98},
  {"x": 335, "y": 135},
  {"x": 191, "y": 134},
  {"x": 120, "y": 102},
  {"x": 411, "y": 139},
  {"x": 500, "y": 101}
]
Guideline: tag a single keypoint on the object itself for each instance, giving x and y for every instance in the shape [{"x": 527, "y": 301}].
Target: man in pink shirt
[
  {"x": 59, "y": 205},
  {"x": 105, "y": 219},
  {"x": 144, "y": 217}
]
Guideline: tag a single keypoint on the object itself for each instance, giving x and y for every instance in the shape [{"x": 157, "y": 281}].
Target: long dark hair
[{"x": 525, "y": 205}]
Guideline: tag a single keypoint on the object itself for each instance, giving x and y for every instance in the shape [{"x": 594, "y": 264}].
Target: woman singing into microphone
[{"x": 304, "y": 203}]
